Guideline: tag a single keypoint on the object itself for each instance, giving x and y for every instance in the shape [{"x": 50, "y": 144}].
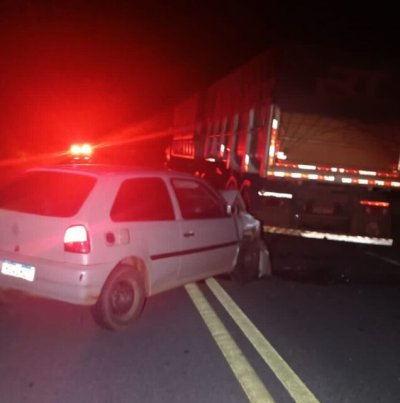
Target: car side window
[
  {"x": 196, "y": 201},
  {"x": 142, "y": 199}
]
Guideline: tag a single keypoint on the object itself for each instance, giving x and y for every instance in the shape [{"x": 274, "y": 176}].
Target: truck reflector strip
[
  {"x": 347, "y": 171},
  {"x": 280, "y": 155},
  {"x": 369, "y": 173},
  {"x": 279, "y": 174},
  {"x": 289, "y": 173},
  {"x": 309, "y": 167},
  {"x": 328, "y": 236},
  {"x": 272, "y": 151},
  {"x": 265, "y": 193},
  {"x": 272, "y": 147}
]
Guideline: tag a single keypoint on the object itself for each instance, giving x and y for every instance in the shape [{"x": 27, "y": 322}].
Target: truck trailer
[{"x": 312, "y": 141}]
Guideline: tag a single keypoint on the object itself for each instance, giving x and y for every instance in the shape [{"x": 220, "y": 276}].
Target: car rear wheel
[{"x": 121, "y": 300}]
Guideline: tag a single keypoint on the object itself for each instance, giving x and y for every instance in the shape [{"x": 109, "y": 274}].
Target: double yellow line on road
[{"x": 244, "y": 373}]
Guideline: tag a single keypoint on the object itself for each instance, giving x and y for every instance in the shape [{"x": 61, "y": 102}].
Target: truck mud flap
[{"x": 253, "y": 261}]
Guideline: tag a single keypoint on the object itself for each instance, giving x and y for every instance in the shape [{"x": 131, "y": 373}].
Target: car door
[
  {"x": 143, "y": 209},
  {"x": 209, "y": 234}
]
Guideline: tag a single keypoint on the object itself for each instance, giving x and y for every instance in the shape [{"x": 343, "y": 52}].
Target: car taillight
[{"x": 76, "y": 239}]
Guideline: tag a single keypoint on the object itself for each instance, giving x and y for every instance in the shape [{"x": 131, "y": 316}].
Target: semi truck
[{"x": 311, "y": 139}]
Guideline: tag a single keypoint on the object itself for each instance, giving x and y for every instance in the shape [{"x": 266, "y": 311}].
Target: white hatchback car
[{"x": 110, "y": 237}]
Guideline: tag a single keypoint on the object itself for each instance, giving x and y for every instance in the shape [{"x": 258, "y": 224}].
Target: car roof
[{"x": 99, "y": 170}]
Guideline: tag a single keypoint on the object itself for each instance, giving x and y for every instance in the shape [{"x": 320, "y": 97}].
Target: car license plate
[{"x": 19, "y": 270}]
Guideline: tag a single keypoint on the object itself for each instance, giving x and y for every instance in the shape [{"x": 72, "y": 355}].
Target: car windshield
[{"x": 57, "y": 194}]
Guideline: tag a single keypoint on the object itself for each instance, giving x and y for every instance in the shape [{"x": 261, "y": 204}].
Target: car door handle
[{"x": 188, "y": 234}]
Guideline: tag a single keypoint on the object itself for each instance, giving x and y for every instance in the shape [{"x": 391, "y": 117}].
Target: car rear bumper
[{"x": 67, "y": 282}]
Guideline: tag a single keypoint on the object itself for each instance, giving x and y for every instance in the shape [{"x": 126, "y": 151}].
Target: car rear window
[
  {"x": 142, "y": 199},
  {"x": 56, "y": 194}
]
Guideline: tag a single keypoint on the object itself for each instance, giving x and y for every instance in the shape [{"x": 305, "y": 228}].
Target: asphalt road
[{"x": 325, "y": 328}]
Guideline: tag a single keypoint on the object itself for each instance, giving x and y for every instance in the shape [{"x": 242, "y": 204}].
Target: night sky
[{"x": 79, "y": 70}]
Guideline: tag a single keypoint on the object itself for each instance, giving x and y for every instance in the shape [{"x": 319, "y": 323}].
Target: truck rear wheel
[{"x": 121, "y": 300}]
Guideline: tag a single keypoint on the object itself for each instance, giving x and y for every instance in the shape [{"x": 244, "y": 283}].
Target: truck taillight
[
  {"x": 375, "y": 208},
  {"x": 374, "y": 203},
  {"x": 76, "y": 239}
]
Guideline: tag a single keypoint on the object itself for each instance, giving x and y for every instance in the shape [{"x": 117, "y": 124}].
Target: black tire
[
  {"x": 121, "y": 300},
  {"x": 248, "y": 261}
]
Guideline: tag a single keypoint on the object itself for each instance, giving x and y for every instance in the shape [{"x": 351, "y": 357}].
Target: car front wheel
[{"x": 121, "y": 300}]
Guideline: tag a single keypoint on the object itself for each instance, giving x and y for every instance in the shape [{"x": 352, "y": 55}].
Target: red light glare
[{"x": 84, "y": 150}]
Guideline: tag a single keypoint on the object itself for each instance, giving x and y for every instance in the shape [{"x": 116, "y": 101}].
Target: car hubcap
[{"x": 122, "y": 298}]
